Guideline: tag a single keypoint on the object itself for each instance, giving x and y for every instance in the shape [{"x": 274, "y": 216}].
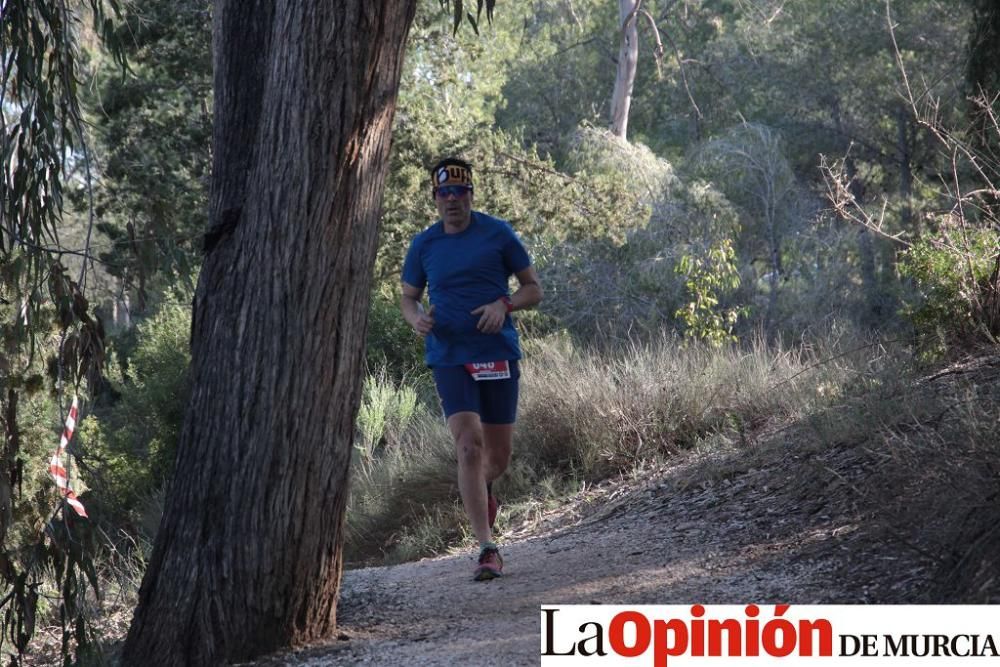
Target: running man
[{"x": 466, "y": 259}]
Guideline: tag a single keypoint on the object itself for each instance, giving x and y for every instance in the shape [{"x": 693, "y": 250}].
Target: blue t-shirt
[{"x": 464, "y": 271}]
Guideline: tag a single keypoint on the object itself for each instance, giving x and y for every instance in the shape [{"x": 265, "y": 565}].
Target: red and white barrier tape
[{"x": 56, "y": 468}]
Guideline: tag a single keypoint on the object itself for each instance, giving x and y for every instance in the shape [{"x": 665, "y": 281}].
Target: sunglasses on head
[{"x": 446, "y": 191}]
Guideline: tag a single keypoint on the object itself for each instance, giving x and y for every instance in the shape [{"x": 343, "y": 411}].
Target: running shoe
[{"x": 490, "y": 565}]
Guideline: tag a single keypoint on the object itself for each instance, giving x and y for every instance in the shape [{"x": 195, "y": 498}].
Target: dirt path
[{"x": 762, "y": 535}]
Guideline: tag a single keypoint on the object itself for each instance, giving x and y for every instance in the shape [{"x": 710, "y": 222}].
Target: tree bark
[
  {"x": 628, "y": 59},
  {"x": 248, "y": 555}
]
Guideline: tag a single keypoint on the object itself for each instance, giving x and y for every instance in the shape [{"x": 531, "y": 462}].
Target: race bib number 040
[{"x": 489, "y": 370}]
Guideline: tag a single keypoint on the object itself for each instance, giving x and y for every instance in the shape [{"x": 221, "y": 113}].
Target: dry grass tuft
[
  {"x": 585, "y": 416},
  {"x": 936, "y": 476}
]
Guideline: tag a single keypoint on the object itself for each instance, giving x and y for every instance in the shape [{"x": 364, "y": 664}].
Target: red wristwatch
[{"x": 507, "y": 302}]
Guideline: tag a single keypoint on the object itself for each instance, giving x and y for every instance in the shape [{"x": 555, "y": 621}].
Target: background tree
[
  {"x": 153, "y": 130},
  {"x": 565, "y": 66},
  {"x": 983, "y": 80},
  {"x": 628, "y": 61},
  {"x": 630, "y": 14},
  {"x": 750, "y": 164},
  {"x": 247, "y": 557},
  {"x": 50, "y": 337}
]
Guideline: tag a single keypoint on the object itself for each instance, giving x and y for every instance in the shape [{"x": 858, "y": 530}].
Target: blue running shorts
[{"x": 495, "y": 401}]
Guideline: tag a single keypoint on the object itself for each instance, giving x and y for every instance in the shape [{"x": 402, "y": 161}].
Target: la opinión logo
[
  {"x": 632, "y": 633},
  {"x": 835, "y": 635}
]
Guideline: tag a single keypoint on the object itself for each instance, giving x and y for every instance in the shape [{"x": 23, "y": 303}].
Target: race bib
[{"x": 489, "y": 370}]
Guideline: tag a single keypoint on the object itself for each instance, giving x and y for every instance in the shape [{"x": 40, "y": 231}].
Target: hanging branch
[
  {"x": 40, "y": 84},
  {"x": 458, "y": 8},
  {"x": 848, "y": 207},
  {"x": 684, "y": 79},
  {"x": 658, "y": 52},
  {"x": 946, "y": 138}
]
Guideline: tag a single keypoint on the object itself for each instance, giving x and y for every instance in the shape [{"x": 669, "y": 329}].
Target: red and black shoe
[{"x": 490, "y": 564}]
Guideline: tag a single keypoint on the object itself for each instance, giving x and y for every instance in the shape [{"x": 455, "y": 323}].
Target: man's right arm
[{"x": 422, "y": 322}]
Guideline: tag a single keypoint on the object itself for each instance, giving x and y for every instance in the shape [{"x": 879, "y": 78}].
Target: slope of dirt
[{"x": 787, "y": 532}]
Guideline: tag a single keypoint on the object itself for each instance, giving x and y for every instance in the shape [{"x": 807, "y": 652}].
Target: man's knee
[
  {"x": 468, "y": 434},
  {"x": 469, "y": 443}
]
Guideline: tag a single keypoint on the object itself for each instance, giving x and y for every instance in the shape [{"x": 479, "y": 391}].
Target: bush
[
  {"x": 956, "y": 278},
  {"x": 132, "y": 442},
  {"x": 391, "y": 344},
  {"x": 626, "y": 280},
  {"x": 707, "y": 279},
  {"x": 385, "y": 413},
  {"x": 402, "y": 477},
  {"x": 32, "y": 495},
  {"x": 596, "y": 414}
]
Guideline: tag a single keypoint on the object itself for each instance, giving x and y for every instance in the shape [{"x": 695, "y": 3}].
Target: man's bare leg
[
  {"x": 498, "y": 440},
  {"x": 469, "y": 448}
]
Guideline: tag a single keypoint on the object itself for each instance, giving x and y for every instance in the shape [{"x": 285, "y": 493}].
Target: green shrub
[
  {"x": 392, "y": 344},
  {"x": 606, "y": 286},
  {"x": 955, "y": 275},
  {"x": 708, "y": 277},
  {"x": 133, "y": 441},
  {"x": 401, "y": 481},
  {"x": 33, "y": 496},
  {"x": 385, "y": 413}
]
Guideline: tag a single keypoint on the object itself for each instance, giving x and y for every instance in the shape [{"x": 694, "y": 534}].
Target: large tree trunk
[
  {"x": 248, "y": 555},
  {"x": 628, "y": 60}
]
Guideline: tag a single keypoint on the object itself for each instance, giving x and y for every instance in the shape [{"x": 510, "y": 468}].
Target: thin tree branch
[
  {"x": 683, "y": 71},
  {"x": 536, "y": 166},
  {"x": 658, "y": 53},
  {"x": 849, "y": 208}
]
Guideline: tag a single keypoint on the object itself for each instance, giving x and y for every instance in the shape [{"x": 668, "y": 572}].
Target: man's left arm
[{"x": 528, "y": 294}]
